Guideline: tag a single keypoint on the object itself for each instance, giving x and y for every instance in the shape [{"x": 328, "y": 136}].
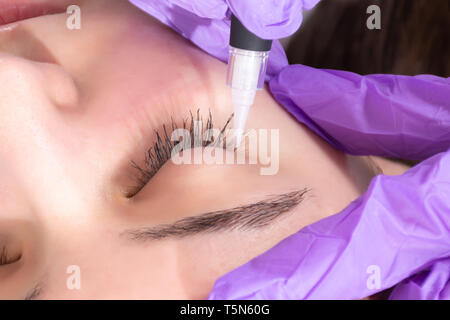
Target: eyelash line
[
  {"x": 160, "y": 152},
  {"x": 5, "y": 259},
  {"x": 4, "y": 256}
]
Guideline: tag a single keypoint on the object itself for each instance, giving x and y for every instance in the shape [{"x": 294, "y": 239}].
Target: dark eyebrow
[{"x": 252, "y": 216}]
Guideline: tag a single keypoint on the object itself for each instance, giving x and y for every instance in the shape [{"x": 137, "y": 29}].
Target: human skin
[{"x": 77, "y": 106}]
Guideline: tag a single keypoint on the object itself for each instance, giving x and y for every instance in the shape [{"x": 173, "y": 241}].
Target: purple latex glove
[
  {"x": 207, "y": 22},
  {"x": 387, "y": 115},
  {"x": 398, "y": 232}
]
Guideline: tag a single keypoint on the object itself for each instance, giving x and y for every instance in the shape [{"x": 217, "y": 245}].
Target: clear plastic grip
[
  {"x": 246, "y": 74},
  {"x": 246, "y": 69}
]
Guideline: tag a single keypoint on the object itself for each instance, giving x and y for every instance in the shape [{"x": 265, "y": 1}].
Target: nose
[
  {"x": 34, "y": 97},
  {"x": 24, "y": 78}
]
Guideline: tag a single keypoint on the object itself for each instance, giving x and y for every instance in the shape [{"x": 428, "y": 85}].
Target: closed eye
[{"x": 160, "y": 152}]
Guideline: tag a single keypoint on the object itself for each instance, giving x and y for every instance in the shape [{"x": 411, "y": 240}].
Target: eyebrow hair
[{"x": 246, "y": 217}]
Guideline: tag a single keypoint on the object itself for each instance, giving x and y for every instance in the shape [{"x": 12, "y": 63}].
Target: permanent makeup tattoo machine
[{"x": 247, "y": 63}]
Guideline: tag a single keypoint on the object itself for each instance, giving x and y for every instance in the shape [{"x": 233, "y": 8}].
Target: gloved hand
[
  {"x": 207, "y": 22},
  {"x": 400, "y": 229}
]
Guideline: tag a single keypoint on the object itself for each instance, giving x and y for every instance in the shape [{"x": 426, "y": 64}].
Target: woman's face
[{"x": 78, "y": 106}]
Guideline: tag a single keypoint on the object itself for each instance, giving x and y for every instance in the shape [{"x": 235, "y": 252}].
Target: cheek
[
  {"x": 108, "y": 268},
  {"x": 32, "y": 135}
]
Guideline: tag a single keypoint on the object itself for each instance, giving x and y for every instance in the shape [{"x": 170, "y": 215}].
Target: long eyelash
[
  {"x": 4, "y": 260},
  {"x": 158, "y": 154}
]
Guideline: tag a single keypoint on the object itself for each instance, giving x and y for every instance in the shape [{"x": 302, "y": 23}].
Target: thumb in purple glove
[{"x": 271, "y": 19}]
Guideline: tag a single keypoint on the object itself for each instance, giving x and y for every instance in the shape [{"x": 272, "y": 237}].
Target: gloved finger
[
  {"x": 271, "y": 19},
  {"x": 209, "y": 30},
  {"x": 387, "y": 115},
  {"x": 430, "y": 284},
  {"x": 399, "y": 227}
]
